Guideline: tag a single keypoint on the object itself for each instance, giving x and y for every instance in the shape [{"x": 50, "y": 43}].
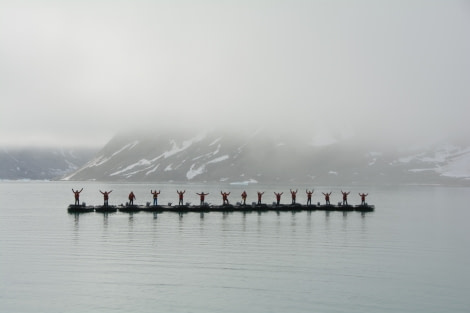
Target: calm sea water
[{"x": 411, "y": 255}]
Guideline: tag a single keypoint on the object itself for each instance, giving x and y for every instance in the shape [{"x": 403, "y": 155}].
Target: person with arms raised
[
  {"x": 327, "y": 197},
  {"x": 180, "y": 196},
  {"x": 155, "y": 196},
  {"x": 77, "y": 196},
  {"x": 105, "y": 197},
  {"x": 202, "y": 196}
]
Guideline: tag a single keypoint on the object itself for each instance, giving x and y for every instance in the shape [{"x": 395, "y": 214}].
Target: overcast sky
[{"x": 78, "y": 72}]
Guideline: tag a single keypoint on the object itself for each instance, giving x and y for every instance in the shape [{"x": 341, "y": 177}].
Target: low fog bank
[
  {"x": 266, "y": 155},
  {"x": 306, "y": 134},
  {"x": 293, "y": 129}
]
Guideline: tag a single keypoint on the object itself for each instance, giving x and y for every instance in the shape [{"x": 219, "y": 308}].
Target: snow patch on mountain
[
  {"x": 373, "y": 156},
  {"x": 142, "y": 162},
  {"x": 215, "y": 141},
  {"x": 129, "y": 146},
  {"x": 447, "y": 160},
  {"x": 208, "y": 155},
  {"x": 245, "y": 182},
  {"x": 193, "y": 172},
  {"x": 185, "y": 145},
  {"x": 152, "y": 170},
  {"x": 219, "y": 159},
  {"x": 459, "y": 167}
]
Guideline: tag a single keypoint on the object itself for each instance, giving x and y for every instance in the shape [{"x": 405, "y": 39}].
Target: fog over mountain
[
  {"x": 340, "y": 92},
  {"x": 33, "y": 163},
  {"x": 270, "y": 156},
  {"x": 77, "y": 72}
]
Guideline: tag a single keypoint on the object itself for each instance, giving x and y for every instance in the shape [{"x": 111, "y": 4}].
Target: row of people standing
[
  {"x": 309, "y": 197},
  {"x": 225, "y": 195}
]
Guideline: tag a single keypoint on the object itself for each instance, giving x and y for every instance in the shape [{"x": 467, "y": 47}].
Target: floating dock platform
[{"x": 219, "y": 208}]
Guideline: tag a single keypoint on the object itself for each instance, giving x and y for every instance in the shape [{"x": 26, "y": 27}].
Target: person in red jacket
[
  {"x": 363, "y": 198},
  {"x": 293, "y": 195},
  {"x": 327, "y": 197},
  {"x": 77, "y": 196},
  {"x": 260, "y": 194},
  {"x": 309, "y": 196},
  {"x": 345, "y": 197},
  {"x": 224, "y": 197},
  {"x": 155, "y": 196},
  {"x": 106, "y": 197},
  {"x": 278, "y": 197},
  {"x": 131, "y": 198},
  {"x": 180, "y": 196},
  {"x": 244, "y": 195},
  {"x": 202, "y": 196}
]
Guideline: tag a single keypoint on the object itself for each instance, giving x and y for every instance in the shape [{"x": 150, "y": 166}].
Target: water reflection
[
  {"x": 76, "y": 219},
  {"x": 131, "y": 220},
  {"x": 293, "y": 221},
  {"x": 105, "y": 220},
  {"x": 258, "y": 223},
  {"x": 244, "y": 221},
  {"x": 309, "y": 221},
  {"x": 180, "y": 222}
]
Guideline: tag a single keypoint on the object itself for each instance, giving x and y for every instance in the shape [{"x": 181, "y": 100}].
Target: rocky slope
[{"x": 265, "y": 157}]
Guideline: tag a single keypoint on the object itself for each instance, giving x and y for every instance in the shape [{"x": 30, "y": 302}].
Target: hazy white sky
[{"x": 78, "y": 72}]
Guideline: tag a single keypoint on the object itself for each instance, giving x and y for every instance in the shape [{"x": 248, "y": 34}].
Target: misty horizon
[{"x": 386, "y": 73}]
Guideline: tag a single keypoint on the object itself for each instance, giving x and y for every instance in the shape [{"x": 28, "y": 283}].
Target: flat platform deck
[{"x": 219, "y": 208}]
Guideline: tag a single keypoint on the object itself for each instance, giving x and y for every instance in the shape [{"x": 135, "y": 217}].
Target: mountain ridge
[
  {"x": 263, "y": 156},
  {"x": 46, "y": 163}
]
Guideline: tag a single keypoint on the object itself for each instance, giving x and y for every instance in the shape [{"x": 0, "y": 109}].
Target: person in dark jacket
[{"x": 77, "y": 196}]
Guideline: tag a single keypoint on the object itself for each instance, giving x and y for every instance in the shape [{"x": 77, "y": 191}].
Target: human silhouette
[
  {"x": 155, "y": 196},
  {"x": 309, "y": 196},
  {"x": 202, "y": 196},
  {"x": 293, "y": 195},
  {"x": 106, "y": 197},
  {"x": 180, "y": 194},
  {"x": 224, "y": 197},
  {"x": 278, "y": 197},
  {"x": 260, "y": 194},
  {"x": 77, "y": 196},
  {"x": 345, "y": 197},
  {"x": 131, "y": 198},
  {"x": 363, "y": 198},
  {"x": 327, "y": 197},
  {"x": 244, "y": 195}
]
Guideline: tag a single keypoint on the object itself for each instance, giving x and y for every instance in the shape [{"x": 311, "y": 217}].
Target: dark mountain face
[
  {"x": 266, "y": 157},
  {"x": 41, "y": 163}
]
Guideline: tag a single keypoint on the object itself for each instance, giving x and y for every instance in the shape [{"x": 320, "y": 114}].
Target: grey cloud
[{"x": 383, "y": 71}]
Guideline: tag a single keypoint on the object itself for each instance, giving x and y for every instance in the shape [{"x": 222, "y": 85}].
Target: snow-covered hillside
[
  {"x": 446, "y": 160},
  {"x": 261, "y": 157}
]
